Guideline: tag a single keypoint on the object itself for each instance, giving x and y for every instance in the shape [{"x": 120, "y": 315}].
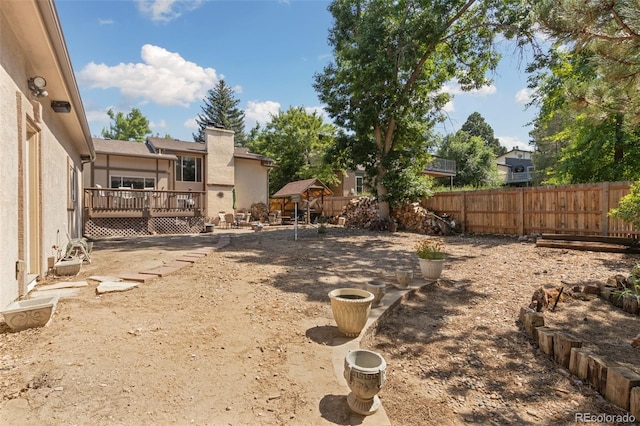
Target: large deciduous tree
[
  {"x": 391, "y": 60},
  {"x": 133, "y": 126},
  {"x": 221, "y": 109},
  {"x": 475, "y": 161},
  {"x": 477, "y": 126},
  {"x": 297, "y": 141}
]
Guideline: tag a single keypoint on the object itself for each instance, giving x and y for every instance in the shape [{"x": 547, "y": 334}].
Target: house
[
  {"x": 45, "y": 141},
  {"x": 170, "y": 186},
  {"x": 516, "y": 167}
]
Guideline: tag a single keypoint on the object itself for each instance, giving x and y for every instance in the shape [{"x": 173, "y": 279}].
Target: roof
[
  {"x": 300, "y": 187},
  {"x": 127, "y": 148},
  {"x": 239, "y": 152},
  {"x": 176, "y": 145}
]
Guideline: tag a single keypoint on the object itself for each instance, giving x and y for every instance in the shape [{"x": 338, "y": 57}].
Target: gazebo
[{"x": 311, "y": 193}]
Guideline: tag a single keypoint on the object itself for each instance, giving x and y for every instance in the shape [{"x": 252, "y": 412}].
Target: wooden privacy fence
[{"x": 572, "y": 209}]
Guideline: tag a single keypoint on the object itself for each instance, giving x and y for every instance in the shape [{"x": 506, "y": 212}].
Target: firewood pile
[
  {"x": 260, "y": 211},
  {"x": 363, "y": 213},
  {"x": 415, "y": 218}
]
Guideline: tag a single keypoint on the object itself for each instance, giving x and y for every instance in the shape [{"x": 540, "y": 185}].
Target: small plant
[
  {"x": 430, "y": 248},
  {"x": 322, "y": 228}
]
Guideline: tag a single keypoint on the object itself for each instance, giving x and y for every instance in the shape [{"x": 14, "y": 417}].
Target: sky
[{"x": 162, "y": 56}]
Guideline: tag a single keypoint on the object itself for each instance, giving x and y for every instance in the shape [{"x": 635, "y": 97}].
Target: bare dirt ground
[{"x": 244, "y": 336}]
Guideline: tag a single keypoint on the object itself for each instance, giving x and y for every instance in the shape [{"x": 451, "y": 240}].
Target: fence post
[
  {"x": 521, "y": 208},
  {"x": 604, "y": 205},
  {"x": 463, "y": 219}
]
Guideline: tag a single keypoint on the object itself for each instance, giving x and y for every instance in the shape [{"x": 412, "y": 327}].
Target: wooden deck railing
[{"x": 101, "y": 202}]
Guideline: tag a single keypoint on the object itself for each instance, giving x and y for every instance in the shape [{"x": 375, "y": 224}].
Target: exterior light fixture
[
  {"x": 61, "y": 106},
  {"x": 37, "y": 85}
]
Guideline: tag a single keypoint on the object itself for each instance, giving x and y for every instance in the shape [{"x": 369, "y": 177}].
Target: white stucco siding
[{"x": 251, "y": 183}]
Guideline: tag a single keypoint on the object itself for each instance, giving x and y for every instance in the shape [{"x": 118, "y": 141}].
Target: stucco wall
[
  {"x": 252, "y": 183},
  {"x": 20, "y": 115},
  {"x": 101, "y": 170},
  {"x": 219, "y": 170}
]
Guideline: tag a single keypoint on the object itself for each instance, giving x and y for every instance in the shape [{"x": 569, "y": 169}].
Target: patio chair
[
  {"x": 275, "y": 217},
  {"x": 245, "y": 221},
  {"x": 229, "y": 220},
  {"x": 78, "y": 247}
]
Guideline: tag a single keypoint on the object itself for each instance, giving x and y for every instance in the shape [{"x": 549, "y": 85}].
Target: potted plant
[{"x": 432, "y": 256}]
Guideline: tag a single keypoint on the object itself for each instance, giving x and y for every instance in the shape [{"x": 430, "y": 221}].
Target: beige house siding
[
  {"x": 220, "y": 171},
  {"x": 252, "y": 183},
  {"x": 106, "y": 166},
  {"x": 41, "y": 149}
]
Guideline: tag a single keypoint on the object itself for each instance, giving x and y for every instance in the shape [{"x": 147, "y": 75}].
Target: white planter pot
[
  {"x": 351, "y": 308},
  {"x": 378, "y": 290},
  {"x": 404, "y": 277},
  {"x": 431, "y": 268},
  {"x": 365, "y": 373},
  {"x": 24, "y": 314}
]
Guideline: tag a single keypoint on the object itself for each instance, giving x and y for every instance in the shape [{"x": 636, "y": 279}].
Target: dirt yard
[{"x": 244, "y": 336}]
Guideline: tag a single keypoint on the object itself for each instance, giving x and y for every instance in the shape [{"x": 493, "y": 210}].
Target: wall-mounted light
[
  {"x": 61, "y": 106},
  {"x": 37, "y": 85}
]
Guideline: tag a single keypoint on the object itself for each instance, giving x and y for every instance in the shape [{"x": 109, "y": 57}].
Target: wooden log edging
[{"x": 616, "y": 383}]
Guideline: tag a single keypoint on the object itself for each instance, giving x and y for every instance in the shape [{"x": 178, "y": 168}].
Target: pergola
[{"x": 310, "y": 191}]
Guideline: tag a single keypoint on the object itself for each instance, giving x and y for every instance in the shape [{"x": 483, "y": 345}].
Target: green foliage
[
  {"x": 587, "y": 90},
  {"x": 475, "y": 161},
  {"x": 477, "y": 126},
  {"x": 133, "y": 126},
  {"x": 629, "y": 207},
  {"x": 221, "y": 109},
  {"x": 391, "y": 60},
  {"x": 298, "y": 142},
  {"x": 430, "y": 248}
]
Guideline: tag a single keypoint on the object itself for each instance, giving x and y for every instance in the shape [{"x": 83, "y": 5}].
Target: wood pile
[
  {"x": 589, "y": 243},
  {"x": 260, "y": 211},
  {"x": 362, "y": 213},
  {"x": 415, "y": 218}
]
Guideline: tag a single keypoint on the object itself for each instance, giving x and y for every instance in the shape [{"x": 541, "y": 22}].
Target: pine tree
[{"x": 221, "y": 110}]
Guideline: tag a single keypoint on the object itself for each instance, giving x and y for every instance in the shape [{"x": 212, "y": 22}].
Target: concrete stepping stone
[
  {"x": 143, "y": 278},
  {"x": 102, "y": 278},
  {"x": 115, "y": 286},
  {"x": 162, "y": 270},
  {"x": 70, "y": 284},
  {"x": 187, "y": 259},
  {"x": 177, "y": 264},
  {"x": 196, "y": 255}
]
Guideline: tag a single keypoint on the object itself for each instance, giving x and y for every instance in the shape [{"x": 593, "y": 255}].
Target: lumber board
[
  {"x": 623, "y": 241},
  {"x": 587, "y": 246}
]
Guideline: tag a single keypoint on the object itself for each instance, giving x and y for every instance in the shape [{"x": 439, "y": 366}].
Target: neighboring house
[
  {"x": 45, "y": 141},
  {"x": 171, "y": 186},
  {"x": 516, "y": 167},
  {"x": 353, "y": 182}
]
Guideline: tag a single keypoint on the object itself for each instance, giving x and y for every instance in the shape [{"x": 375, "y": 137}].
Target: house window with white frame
[
  {"x": 188, "y": 169},
  {"x": 132, "y": 182}
]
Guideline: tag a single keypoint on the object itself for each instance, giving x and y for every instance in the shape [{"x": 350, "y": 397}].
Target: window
[
  {"x": 132, "y": 182},
  {"x": 189, "y": 169},
  {"x": 359, "y": 184}
]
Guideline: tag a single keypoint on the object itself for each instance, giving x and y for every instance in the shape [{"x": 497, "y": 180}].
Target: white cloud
[
  {"x": 449, "y": 107},
  {"x": 164, "y": 78},
  {"x": 105, "y": 21},
  {"x": 511, "y": 143},
  {"x": 190, "y": 124},
  {"x": 259, "y": 112},
  {"x": 167, "y": 10},
  {"x": 318, "y": 110},
  {"x": 158, "y": 125},
  {"x": 523, "y": 96},
  {"x": 453, "y": 88}
]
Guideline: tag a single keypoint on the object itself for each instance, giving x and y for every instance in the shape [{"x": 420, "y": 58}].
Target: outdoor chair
[
  {"x": 78, "y": 247},
  {"x": 229, "y": 220}
]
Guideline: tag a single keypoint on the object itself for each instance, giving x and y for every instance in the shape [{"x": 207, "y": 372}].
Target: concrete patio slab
[
  {"x": 70, "y": 284},
  {"x": 102, "y": 278},
  {"x": 115, "y": 286}
]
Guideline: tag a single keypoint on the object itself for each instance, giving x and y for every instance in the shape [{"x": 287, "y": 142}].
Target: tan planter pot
[
  {"x": 351, "y": 308},
  {"x": 364, "y": 372},
  {"x": 24, "y": 314},
  {"x": 431, "y": 268}
]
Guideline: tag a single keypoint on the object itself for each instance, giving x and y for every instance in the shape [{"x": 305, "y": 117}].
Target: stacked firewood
[
  {"x": 361, "y": 213},
  {"x": 415, "y": 218},
  {"x": 260, "y": 211}
]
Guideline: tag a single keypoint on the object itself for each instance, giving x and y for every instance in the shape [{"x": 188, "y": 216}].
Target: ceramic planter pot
[
  {"x": 431, "y": 269},
  {"x": 24, "y": 314},
  {"x": 378, "y": 289},
  {"x": 365, "y": 373},
  {"x": 404, "y": 277},
  {"x": 351, "y": 308}
]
